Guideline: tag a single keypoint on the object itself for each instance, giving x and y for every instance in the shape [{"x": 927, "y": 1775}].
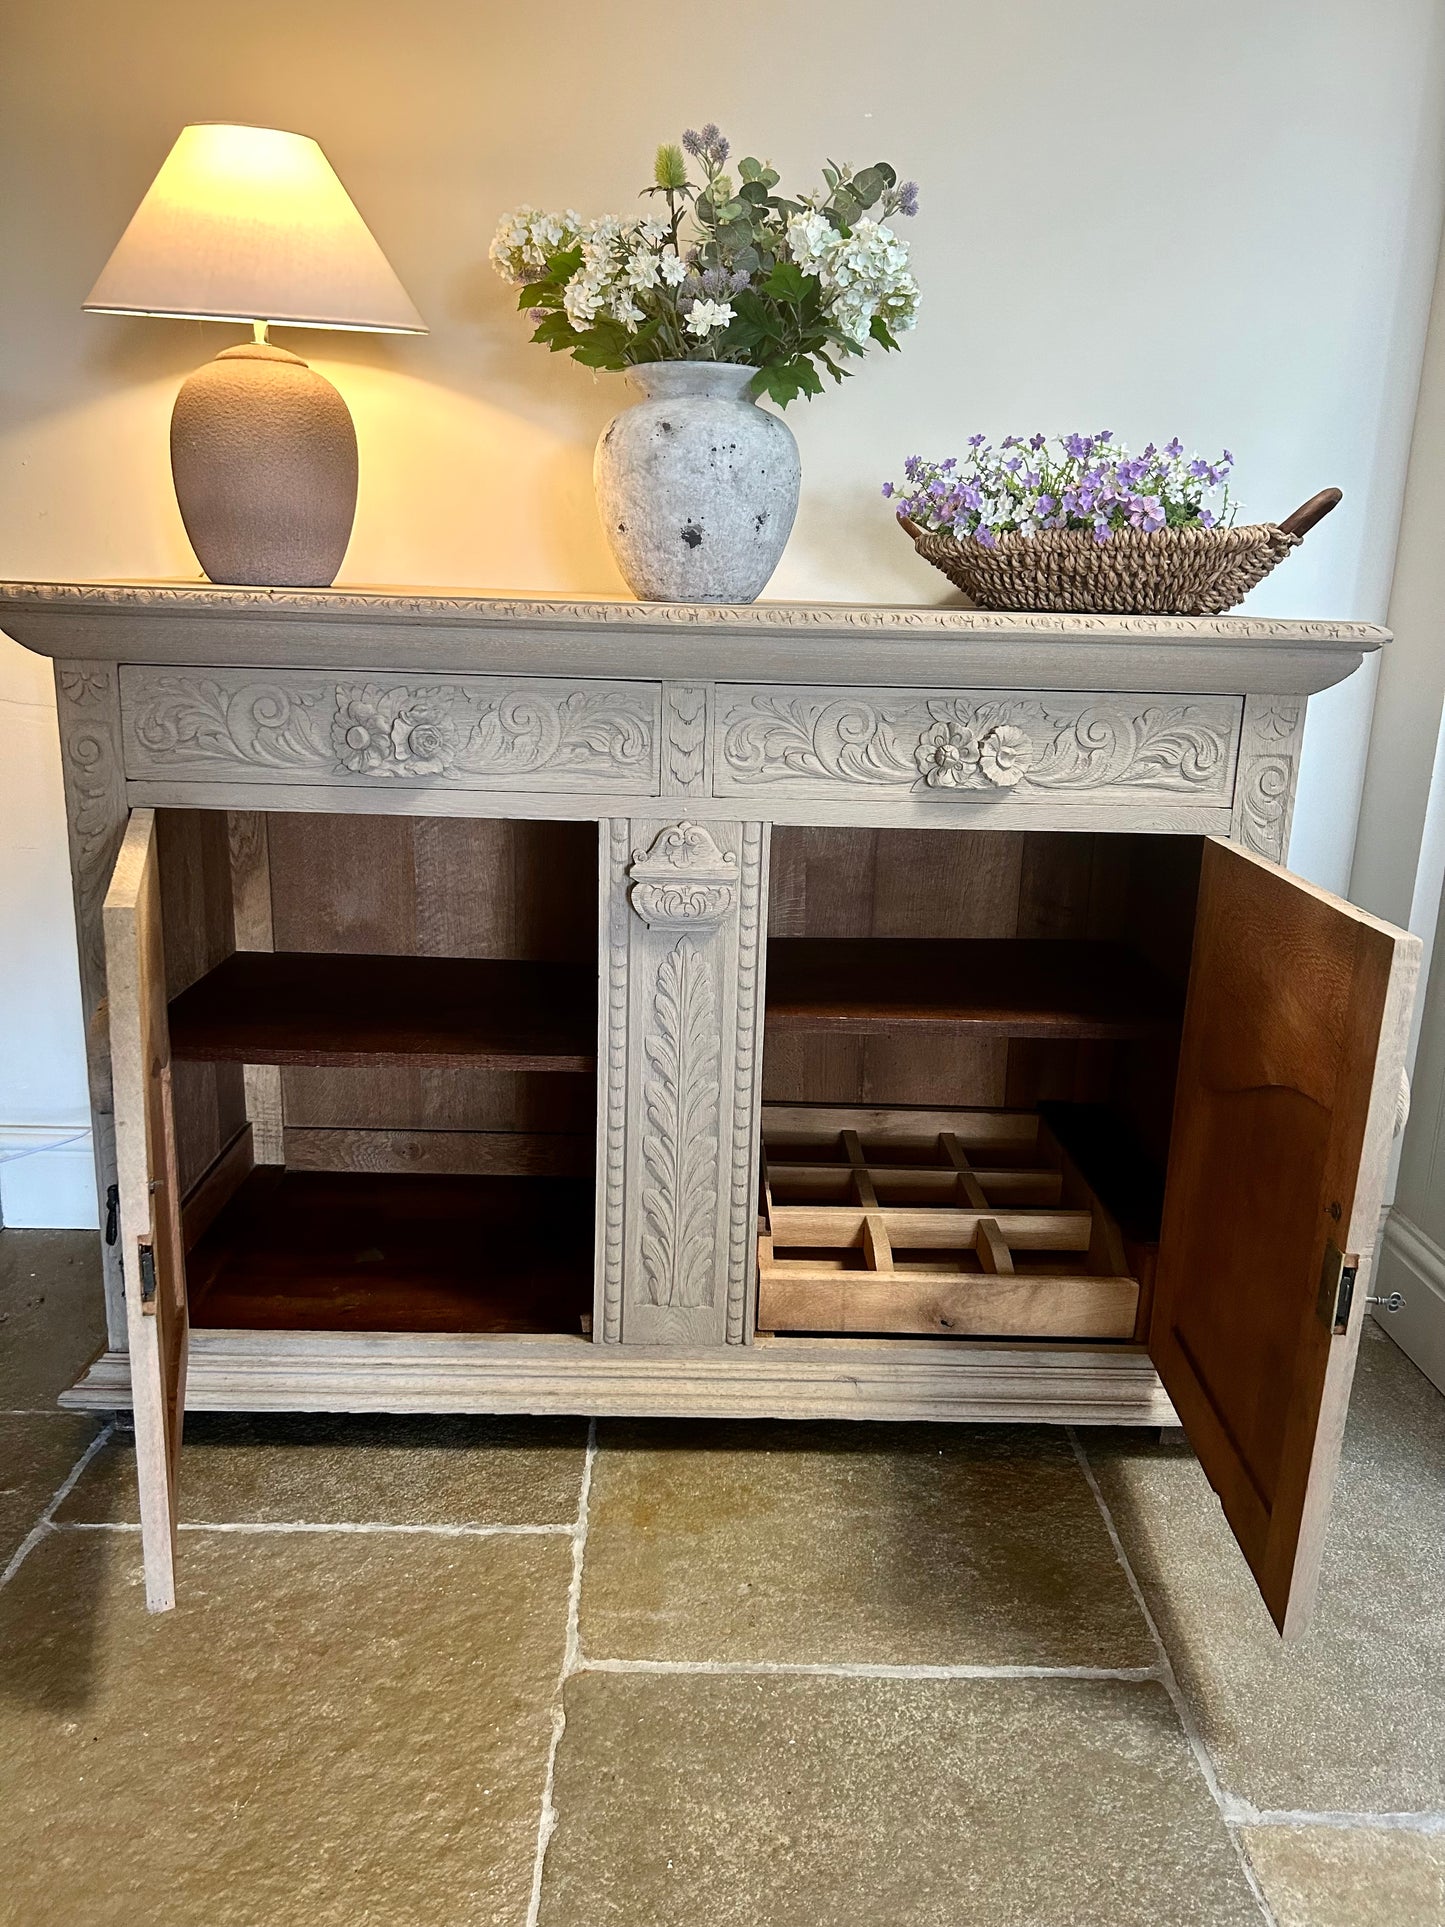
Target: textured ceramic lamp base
[{"x": 263, "y": 452}]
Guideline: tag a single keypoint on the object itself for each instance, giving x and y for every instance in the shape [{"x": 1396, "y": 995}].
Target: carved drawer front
[
  {"x": 455, "y": 732},
  {"x": 971, "y": 748}
]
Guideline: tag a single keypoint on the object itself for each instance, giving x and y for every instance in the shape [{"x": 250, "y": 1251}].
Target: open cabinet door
[
  {"x": 1289, "y": 1075},
  {"x": 150, "y": 1221}
]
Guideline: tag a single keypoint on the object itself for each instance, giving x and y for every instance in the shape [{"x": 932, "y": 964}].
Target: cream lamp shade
[{"x": 250, "y": 224}]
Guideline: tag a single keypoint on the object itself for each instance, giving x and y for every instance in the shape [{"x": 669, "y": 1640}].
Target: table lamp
[{"x": 248, "y": 224}]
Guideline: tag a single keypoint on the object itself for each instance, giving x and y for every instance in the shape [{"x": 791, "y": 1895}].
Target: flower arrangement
[
  {"x": 735, "y": 271},
  {"x": 1077, "y": 482}
]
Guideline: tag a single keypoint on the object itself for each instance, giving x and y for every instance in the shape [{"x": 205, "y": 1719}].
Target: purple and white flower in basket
[{"x": 1075, "y": 482}]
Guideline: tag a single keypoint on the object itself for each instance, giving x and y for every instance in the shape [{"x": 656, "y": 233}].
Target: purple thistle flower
[
  {"x": 692, "y": 142},
  {"x": 908, "y": 198}
]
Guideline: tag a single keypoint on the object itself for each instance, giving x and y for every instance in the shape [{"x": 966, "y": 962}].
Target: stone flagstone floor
[{"x": 437, "y": 1673}]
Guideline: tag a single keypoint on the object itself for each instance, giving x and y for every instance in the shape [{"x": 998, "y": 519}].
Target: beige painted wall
[{"x": 1219, "y": 222}]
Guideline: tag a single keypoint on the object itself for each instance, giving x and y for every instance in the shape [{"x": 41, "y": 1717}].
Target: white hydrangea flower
[
  {"x": 526, "y": 239},
  {"x": 810, "y": 240},
  {"x": 707, "y": 315}
]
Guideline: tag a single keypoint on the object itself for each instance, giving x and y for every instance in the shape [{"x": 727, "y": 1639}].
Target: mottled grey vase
[{"x": 697, "y": 486}]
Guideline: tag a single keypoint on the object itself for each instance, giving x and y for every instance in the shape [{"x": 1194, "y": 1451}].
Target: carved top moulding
[{"x": 435, "y": 630}]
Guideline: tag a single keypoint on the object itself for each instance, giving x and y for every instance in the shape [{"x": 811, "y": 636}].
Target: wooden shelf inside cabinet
[
  {"x": 1009, "y": 986},
  {"x": 321, "y": 1251},
  {"x": 295, "y": 1007}
]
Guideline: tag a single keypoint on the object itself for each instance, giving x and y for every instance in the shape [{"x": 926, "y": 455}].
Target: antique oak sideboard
[{"x": 525, "y": 1006}]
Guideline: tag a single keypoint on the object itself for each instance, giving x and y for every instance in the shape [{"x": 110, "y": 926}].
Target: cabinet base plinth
[{"x": 774, "y": 1378}]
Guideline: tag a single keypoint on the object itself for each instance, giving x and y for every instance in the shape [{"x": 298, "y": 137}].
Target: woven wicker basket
[{"x": 1174, "y": 572}]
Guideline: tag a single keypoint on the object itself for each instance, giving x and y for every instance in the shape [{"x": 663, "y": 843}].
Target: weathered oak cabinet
[{"x": 446, "y": 961}]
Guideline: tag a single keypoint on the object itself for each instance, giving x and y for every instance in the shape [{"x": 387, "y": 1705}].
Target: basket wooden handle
[
  {"x": 908, "y": 525},
  {"x": 1312, "y": 511}
]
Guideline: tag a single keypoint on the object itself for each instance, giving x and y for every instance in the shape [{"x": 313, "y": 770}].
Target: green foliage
[{"x": 735, "y": 251}]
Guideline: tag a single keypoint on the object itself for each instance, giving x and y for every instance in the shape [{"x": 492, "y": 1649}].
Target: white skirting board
[
  {"x": 47, "y": 1177},
  {"x": 1414, "y": 1265}
]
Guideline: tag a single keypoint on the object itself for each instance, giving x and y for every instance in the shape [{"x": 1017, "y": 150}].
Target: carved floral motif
[
  {"x": 684, "y": 881},
  {"x": 953, "y": 756},
  {"x": 1021, "y": 743},
  {"x": 396, "y": 732},
  {"x": 680, "y": 1147},
  {"x": 409, "y": 731}
]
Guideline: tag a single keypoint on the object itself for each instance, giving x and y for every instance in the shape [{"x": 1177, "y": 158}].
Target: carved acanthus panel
[
  {"x": 1268, "y": 769},
  {"x": 474, "y": 732},
  {"x": 799, "y": 742},
  {"x": 680, "y": 1130},
  {"x": 680, "y": 1052}
]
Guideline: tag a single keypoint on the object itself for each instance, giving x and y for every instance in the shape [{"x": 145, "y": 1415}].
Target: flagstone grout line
[
  {"x": 45, "y": 1524},
  {"x": 436, "y": 1530},
  {"x": 1168, "y": 1680},
  {"x": 571, "y": 1664},
  {"x": 863, "y": 1669}
]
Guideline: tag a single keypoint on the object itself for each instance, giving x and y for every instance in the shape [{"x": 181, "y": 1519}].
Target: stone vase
[{"x": 696, "y": 485}]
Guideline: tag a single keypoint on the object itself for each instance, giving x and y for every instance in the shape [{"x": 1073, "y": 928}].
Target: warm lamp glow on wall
[{"x": 248, "y": 224}]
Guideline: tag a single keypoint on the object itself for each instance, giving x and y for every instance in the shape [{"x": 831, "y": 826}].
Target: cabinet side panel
[{"x": 87, "y": 701}]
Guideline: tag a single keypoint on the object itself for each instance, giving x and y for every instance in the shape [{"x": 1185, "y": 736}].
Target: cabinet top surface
[{"x": 437, "y": 629}]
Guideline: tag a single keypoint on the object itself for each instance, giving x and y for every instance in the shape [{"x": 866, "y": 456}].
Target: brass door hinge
[{"x": 1337, "y": 1287}]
